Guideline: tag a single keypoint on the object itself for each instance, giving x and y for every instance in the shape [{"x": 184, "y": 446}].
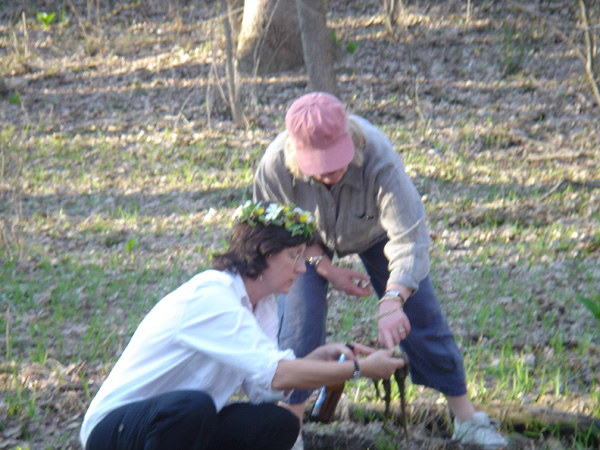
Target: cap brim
[{"x": 316, "y": 161}]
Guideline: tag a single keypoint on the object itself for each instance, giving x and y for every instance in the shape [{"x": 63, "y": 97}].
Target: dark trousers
[{"x": 188, "y": 420}]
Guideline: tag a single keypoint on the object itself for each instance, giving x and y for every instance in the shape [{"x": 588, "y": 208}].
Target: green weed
[{"x": 45, "y": 19}]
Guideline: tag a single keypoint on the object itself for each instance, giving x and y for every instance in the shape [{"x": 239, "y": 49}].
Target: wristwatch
[
  {"x": 315, "y": 260},
  {"x": 395, "y": 294},
  {"x": 356, "y": 373}
]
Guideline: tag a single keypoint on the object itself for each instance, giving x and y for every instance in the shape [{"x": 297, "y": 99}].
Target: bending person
[
  {"x": 214, "y": 334},
  {"x": 347, "y": 173}
]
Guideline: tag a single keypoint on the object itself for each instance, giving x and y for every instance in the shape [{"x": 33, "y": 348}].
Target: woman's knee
[
  {"x": 186, "y": 410},
  {"x": 198, "y": 405},
  {"x": 287, "y": 423},
  {"x": 284, "y": 428}
]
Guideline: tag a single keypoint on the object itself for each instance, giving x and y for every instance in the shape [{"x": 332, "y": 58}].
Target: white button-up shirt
[{"x": 203, "y": 336}]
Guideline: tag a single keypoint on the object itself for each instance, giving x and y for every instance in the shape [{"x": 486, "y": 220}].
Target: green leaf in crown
[{"x": 295, "y": 220}]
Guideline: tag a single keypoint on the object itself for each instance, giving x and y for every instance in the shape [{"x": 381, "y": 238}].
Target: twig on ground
[
  {"x": 552, "y": 190},
  {"x": 180, "y": 114}
]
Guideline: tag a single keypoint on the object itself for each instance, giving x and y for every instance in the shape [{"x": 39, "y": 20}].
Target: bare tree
[
  {"x": 3, "y": 88},
  {"x": 392, "y": 10},
  {"x": 590, "y": 53},
  {"x": 591, "y": 49},
  {"x": 318, "y": 46},
  {"x": 231, "y": 63},
  {"x": 269, "y": 39}
]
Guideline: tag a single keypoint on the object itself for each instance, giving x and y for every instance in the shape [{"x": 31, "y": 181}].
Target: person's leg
[
  {"x": 302, "y": 314},
  {"x": 255, "y": 427},
  {"x": 434, "y": 358},
  {"x": 185, "y": 420}
]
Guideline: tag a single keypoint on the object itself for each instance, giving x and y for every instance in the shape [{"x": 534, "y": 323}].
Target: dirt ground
[{"x": 509, "y": 76}]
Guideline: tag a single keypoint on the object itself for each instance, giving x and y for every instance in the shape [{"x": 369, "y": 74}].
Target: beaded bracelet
[
  {"x": 388, "y": 312},
  {"x": 389, "y": 298}
]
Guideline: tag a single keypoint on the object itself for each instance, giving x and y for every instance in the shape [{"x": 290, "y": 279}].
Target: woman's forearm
[{"x": 310, "y": 374}]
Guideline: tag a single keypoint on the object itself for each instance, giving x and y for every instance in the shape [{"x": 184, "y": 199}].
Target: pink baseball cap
[{"x": 317, "y": 126}]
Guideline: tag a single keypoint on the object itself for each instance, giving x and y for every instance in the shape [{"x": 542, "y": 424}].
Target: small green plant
[
  {"x": 350, "y": 46},
  {"x": 14, "y": 98},
  {"x": 45, "y": 19},
  {"x": 130, "y": 245},
  {"x": 514, "y": 52},
  {"x": 593, "y": 304}
]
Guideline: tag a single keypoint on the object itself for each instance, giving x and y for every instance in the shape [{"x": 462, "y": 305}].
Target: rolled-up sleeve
[
  {"x": 235, "y": 340},
  {"x": 404, "y": 221}
]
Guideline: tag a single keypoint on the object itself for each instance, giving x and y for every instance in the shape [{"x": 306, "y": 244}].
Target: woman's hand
[
  {"x": 331, "y": 352},
  {"x": 349, "y": 281},
  {"x": 380, "y": 364},
  {"x": 359, "y": 349},
  {"x": 392, "y": 323}
]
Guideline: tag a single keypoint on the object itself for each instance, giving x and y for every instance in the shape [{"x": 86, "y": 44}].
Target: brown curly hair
[{"x": 250, "y": 245}]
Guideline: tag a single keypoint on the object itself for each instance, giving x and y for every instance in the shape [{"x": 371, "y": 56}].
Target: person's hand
[
  {"x": 392, "y": 323},
  {"x": 331, "y": 352},
  {"x": 350, "y": 281},
  {"x": 380, "y": 364},
  {"x": 360, "y": 349}
]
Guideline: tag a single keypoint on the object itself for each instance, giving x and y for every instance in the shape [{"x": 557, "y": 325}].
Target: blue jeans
[
  {"x": 435, "y": 360},
  {"x": 188, "y": 420}
]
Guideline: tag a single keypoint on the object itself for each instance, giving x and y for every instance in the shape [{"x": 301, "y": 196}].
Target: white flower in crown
[
  {"x": 273, "y": 212},
  {"x": 306, "y": 217},
  {"x": 239, "y": 212}
]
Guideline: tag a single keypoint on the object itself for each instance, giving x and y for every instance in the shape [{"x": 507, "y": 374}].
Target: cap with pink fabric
[{"x": 318, "y": 128}]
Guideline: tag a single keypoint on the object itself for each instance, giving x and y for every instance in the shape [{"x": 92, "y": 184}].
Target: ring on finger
[{"x": 401, "y": 330}]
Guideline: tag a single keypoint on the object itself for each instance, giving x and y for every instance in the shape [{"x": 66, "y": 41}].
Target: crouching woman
[{"x": 172, "y": 386}]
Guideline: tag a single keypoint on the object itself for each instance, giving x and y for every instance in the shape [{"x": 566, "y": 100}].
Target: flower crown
[{"x": 295, "y": 220}]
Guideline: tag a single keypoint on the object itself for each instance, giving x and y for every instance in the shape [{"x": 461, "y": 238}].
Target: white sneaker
[
  {"x": 479, "y": 430},
  {"x": 299, "y": 445}
]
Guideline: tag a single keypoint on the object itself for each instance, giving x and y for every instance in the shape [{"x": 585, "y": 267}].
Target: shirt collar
[
  {"x": 240, "y": 289},
  {"x": 352, "y": 177}
]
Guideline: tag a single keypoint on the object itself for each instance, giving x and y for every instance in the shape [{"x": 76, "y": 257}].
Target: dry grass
[{"x": 120, "y": 167}]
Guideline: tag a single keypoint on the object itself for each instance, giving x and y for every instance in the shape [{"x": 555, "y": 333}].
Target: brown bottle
[{"x": 327, "y": 400}]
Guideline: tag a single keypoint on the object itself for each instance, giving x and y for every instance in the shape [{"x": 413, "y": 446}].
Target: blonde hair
[{"x": 358, "y": 139}]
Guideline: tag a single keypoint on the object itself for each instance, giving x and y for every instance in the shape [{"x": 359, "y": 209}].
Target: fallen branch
[{"x": 515, "y": 417}]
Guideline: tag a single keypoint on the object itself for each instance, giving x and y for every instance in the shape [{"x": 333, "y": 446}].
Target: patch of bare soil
[{"x": 489, "y": 79}]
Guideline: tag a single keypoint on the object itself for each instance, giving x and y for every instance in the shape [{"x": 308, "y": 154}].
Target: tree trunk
[
  {"x": 230, "y": 63},
  {"x": 3, "y": 88},
  {"x": 591, "y": 65},
  {"x": 318, "y": 46},
  {"x": 269, "y": 39}
]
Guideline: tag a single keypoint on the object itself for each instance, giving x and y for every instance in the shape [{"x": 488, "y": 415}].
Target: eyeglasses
[{"x": 298, "y": 257}]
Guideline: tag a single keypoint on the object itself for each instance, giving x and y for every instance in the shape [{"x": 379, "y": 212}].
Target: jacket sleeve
[
  {"x": 402, "y": 216},
  {"x": 272, "y": 181}
]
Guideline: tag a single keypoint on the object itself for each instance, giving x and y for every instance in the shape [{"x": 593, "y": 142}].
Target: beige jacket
[{"x": 375, "y": 199}]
